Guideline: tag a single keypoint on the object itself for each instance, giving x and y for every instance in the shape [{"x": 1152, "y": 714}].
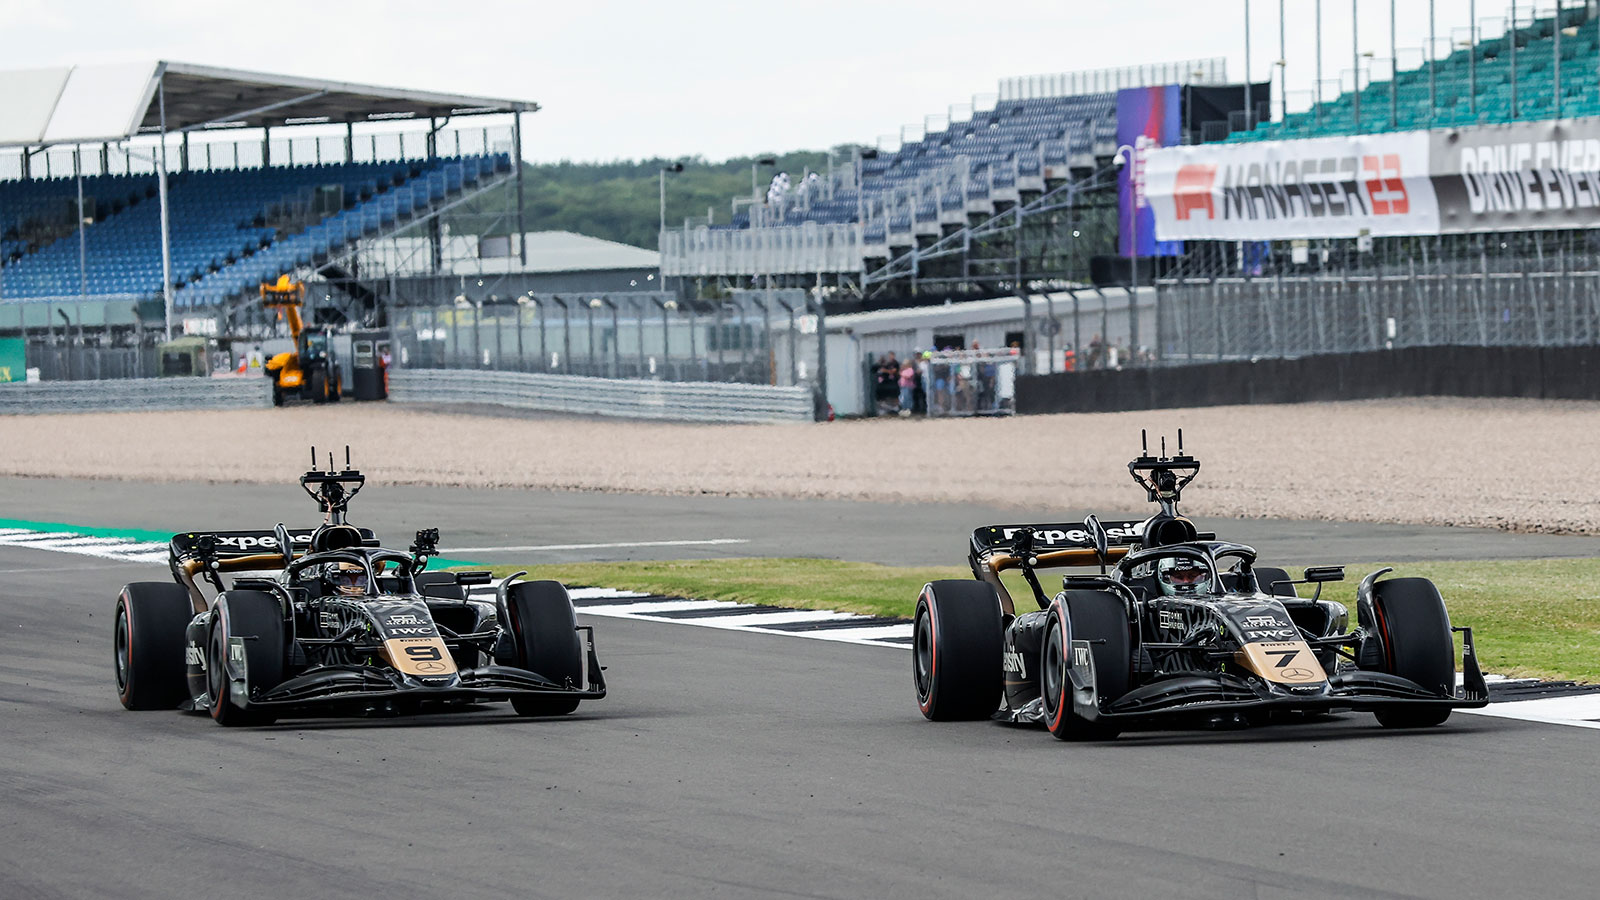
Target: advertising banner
[
  {"x": 1373, "y": 184},
  {"x": 1148, "y": 118},
  {"x": 1529, "y": 175},
  {"x": 13, "y": 365},
  {"x": 1517, "y": 177}
]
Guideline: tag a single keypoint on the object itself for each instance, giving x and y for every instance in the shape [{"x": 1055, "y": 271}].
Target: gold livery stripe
[
  {"x": 1285, "y": 662},
  {"x": 423, "y": 657}
]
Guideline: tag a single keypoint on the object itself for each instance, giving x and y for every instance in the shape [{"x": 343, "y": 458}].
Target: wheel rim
[
  {"x": 216, "y": 673},
  {"x": 1053, "y": 672},
  {"x": 124, "y": 663},
  {"x": 922, "y": 658}
]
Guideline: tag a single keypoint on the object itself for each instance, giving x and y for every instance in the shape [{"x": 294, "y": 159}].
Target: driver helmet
[
  {"x": 349, "y": 579},
  {"x": 1182, "y": 576}
]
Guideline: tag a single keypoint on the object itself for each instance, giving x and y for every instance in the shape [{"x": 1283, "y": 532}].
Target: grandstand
[
  {"x": 124, "y": 173},
  {"x": 914, "y": 212},
  {"x": 1513, "y": 77}
]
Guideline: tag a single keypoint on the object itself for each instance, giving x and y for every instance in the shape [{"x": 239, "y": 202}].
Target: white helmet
[{"x": 1182, "y": 576}]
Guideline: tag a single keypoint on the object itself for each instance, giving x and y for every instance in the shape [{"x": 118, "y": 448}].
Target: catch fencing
[
  {"x": 134, "y": 395},
  {"x": 750, "y": 337},
  {"x": 1292, "y": 316},
  {"x": 962, "y": 383},
  {"x": 588, "y": 395}
]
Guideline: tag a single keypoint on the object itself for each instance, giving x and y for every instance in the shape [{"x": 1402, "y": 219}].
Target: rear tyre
[
  {"x": 148, "y": 638},
  {"x": 319, "y": 386},
  {"x": 1414, "y": 630},
  {"x": 1101, "y": 619},
  {"x": 958, "y": 638},
  {"x": 277, "y": 394},
  {"x": 545, "y": 632},
  {"x": 256, "y": 617}
]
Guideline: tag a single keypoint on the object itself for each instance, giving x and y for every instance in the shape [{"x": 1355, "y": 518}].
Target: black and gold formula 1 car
[
  {"x": 326, "y": 622},
  {"x": 1176, "y": 629}
]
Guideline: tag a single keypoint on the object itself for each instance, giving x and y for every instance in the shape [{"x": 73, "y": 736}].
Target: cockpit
[{"x": 355, "y": 573}]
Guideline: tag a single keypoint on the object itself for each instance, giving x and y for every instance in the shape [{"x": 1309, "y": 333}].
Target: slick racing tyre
[
  {"x": 545, "y": 633},
  {"x": 1101, "y": 619},
  {"x": 256, "y": 620},
  {"x": 148, "y": 639},
  {"x": 1414, "y": 633},
  {"x": 958, "y": 638}
]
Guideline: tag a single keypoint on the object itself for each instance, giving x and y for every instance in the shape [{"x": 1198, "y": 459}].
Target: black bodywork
[
  {"x": 1246, "y": 648},
  {"x": 405, "y": 640}
]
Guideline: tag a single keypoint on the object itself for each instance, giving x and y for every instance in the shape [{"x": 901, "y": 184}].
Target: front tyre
[
  {"x": 1413, "y": 629},
  {"x": 246, "y": 639},
  {"x": 148, "y": 638},
  {"x": 544, "y": 629},
  {"x": 1101, "y": 619},
  {"x": 958, "y": 638}
]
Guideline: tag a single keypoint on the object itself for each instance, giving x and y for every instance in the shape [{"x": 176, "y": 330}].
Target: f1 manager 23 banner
[{"x": 1376, "y": 184}]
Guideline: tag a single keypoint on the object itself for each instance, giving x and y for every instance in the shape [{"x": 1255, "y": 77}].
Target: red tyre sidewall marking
[
  {"x": 127, "y": 616},
  {"x": 222, "y": 623},
  {"x": 933, "y": 652},
  {"x": 1058, "y": 617}
]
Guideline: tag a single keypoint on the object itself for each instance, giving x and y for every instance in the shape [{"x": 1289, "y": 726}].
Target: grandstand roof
[{"x": 70, "y": 104}]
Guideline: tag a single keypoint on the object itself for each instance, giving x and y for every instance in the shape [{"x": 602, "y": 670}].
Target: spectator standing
[{"x": 908, "y": 386}]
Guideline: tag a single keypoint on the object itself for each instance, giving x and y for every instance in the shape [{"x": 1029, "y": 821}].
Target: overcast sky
[{"x": 718, "y": 79}]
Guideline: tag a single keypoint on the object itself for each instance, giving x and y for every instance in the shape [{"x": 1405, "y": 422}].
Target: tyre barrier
[
  {"x": 622, "y": 397},
  {"x": 134, "y": 395}
]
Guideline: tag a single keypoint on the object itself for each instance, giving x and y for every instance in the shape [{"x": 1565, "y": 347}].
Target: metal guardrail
[
  {"x": 134, "y": 395},
  {"x": 627, "y": 398}
]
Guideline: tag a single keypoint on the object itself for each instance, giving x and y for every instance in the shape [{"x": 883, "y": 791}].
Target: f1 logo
[
  {"x": 1386, "y": 188},
  {"x": 1192, "y": 191}
]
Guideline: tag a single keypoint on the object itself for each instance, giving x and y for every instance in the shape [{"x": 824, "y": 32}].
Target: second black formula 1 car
[
  {"x": 1176, "y": 629},
  {"x": 325, "y": 621}
]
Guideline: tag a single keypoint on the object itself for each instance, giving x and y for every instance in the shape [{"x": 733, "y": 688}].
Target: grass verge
[{"x": 1533, "y": 618}]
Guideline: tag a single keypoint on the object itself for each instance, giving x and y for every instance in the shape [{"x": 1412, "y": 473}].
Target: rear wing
[
  {"x": 1054, "y": 536},
  {"x": 192, "y": 552},
  {"x": 225, "y": 545}
]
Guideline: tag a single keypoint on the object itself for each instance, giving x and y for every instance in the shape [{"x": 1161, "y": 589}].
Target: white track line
[
  {"x": 618, "y": 545},
  {"x": 1579, "y": 710}
]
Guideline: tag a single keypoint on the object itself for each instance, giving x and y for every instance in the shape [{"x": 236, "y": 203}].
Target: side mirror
[
  {"x": 1321, "y": 574},
  {"x": 285, "y": 546},
  {"x": 1097, "y": 534}
]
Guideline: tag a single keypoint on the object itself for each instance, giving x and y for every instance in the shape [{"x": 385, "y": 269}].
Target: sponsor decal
[
  {"x": 1080, "y": 655},
  {"x": 1270, "y": 634},
  {"x": 1170, "y": 618},
  {"x": 194, "y": 656},
  {"x": 404, "y": 619},
  {"x": 258, "y": 541},
  {"x": 411, "y": 632},
  {"x": 236, "y": 650},
  {"x": 1263, "y": 622},
  {"x": 1011, "y": 661},
  {"x": 1118, "y": 533}
]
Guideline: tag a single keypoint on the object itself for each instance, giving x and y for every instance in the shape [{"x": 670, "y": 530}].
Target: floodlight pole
[
  {"x": 83, "y": 254},
  {"x": 1355, "y": 65},
  {"x": 516, "y": 151},
  {"x": 1433, "y": 80},
  {"x": 1316, "y": 104},
  {"x": 1556, "y": 59},
  {"x": 166, "y": 225},
  {"x": 1512, "y": 31},
  {"x": 1472, "y": 59},
  {"x": 1249, "y": 107}
]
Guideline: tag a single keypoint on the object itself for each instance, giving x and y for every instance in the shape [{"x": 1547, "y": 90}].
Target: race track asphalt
[{"x": 724, "y": 764}]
